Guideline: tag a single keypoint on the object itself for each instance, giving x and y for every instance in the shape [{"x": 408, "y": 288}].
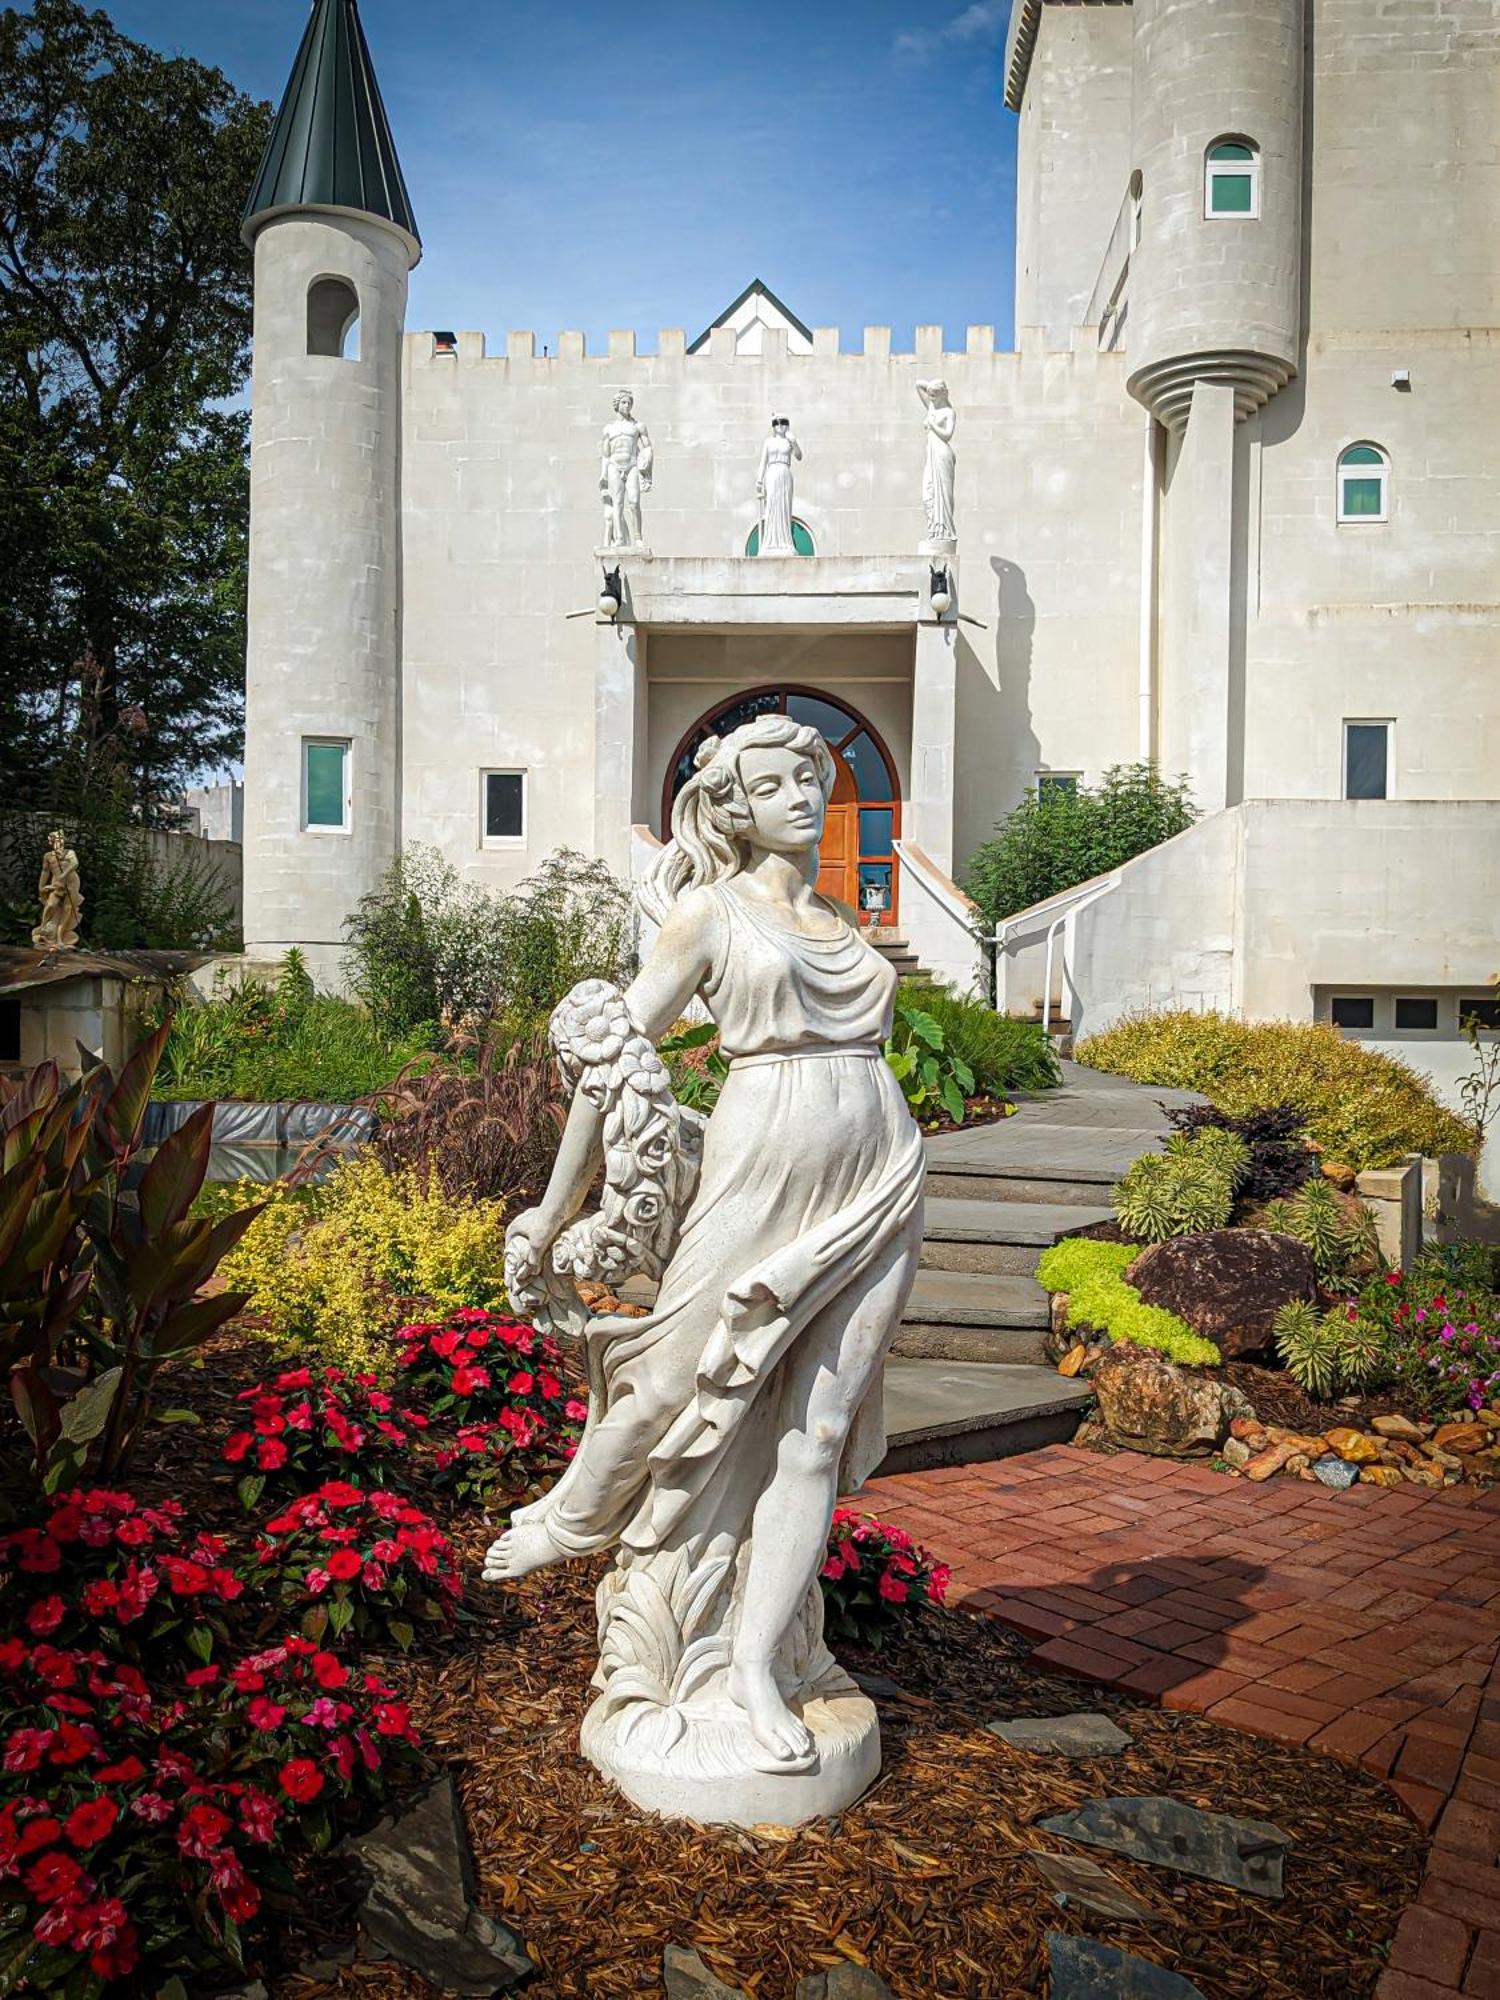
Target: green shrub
[
  {"x": 1055, "y": 840},
  {"x": 1004, "y": 1054},
  {"x": 1092, "y": 1275},
  {"x": 1216, "y": 1147},
  {"x": 1180, "y": 1192},
  {"x": 1363, "y": 1108},
  {"x": 331, "y": 1269},
  {"x": 1328, "y": 1351},
  {"x": 275, "y": 1043},
  {"x": 931, "y": 1076},
  {"x": 1339, "y": 1233}
]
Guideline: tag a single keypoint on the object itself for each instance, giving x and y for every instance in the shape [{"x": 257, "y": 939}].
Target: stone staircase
[
  {"x": 894, "y": 948},
  {"x": 968, "y": 1378}
]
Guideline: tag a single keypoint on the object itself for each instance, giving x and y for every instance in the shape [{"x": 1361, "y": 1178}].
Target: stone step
[
  {"x": 964, "y": 1412},
  {"x": 974, "y": 1316},
  {"x": 1033, "y": 1185},
  {"x": 998, "y": 1236}
]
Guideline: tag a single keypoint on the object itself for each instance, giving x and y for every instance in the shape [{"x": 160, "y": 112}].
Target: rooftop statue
[
  {"x": 61, "y": 896},
  {"x": 785, "y": 1232},
  {"x": 940, "y": 421},
  {"x": 773, "y": 489},
  {"x": 626, "y": 459}
]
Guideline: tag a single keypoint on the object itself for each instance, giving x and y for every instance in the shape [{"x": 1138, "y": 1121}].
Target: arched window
[
  {"x": 1364, "y": 484},
  {"x": 333, "y": 318},
  {"x": 802, "y": 540},
  {"x": 1231, "y": 179}
]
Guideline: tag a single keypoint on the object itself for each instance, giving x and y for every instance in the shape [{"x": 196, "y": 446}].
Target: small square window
[
  {"x": 1352, "y": 1010},
  {"x": 504, "y": 808},
  {"x": 1418, "y": 1015},
  {"x": 325, "y": 785},
  {"x": 1056, "y": 785},
  {"x": 1367, "y": 760},
  {"x": 1483, "y": 1009}
]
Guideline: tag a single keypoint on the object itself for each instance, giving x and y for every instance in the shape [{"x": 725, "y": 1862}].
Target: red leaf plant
[
  {"x": 102, "y": 1569},
  {"x": 366, "y": 1563},
  {"x": 876, "y": 1578},
  {"x": 306, "y": 1425}
]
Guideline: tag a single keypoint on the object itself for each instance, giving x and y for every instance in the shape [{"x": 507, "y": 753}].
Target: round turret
[{"x": 1215, "y": 279}]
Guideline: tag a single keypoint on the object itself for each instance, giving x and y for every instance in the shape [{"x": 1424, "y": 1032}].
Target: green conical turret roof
[{"x": 331, "y": 145}]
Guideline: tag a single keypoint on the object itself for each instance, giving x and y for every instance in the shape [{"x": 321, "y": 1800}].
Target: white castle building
[{"x": 1233, "y": 504}]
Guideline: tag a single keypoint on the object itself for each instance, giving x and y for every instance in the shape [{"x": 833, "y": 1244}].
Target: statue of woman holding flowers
[{"x": 785, "y": 1235}]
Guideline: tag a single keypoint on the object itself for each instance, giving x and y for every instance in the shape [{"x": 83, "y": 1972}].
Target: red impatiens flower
[
  {"x": 53, "y": 1876},
  {"x": 87, "y": 1824},
  {"x": 344, "y": 1565},
  {"x": 301, "y": 1780}
]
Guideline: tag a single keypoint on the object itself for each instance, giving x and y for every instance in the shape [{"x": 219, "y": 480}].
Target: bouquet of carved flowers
[
  {"x": 102, "y": 1569},
  {"x": 312, "y": 1737},
  {"x": 369, "y": 1563},
  {"x": 303, "y": 1426},
  {"x": 876, "y": 1578}
]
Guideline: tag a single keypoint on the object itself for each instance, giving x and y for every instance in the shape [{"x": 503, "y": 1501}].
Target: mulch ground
[{"x": 925, "y": 1880}]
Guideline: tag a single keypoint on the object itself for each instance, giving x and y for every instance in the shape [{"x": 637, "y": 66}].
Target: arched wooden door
[{"x": 857, "y": 861}]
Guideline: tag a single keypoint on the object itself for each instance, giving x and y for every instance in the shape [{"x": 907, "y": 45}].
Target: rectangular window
[
  {"x": 1352, "y": 1010},
  {"x": 1056, "y": 785},
  {"x": 1231, "y": 194},
  {"x": 504, "y": 808},
  {"x": 325, "y": 784},
  {"x": 1418, "y": 1015},
  {"x": 1480, "y": 1007},
  {"x": 10, "y": 1031},
  {"x": 1361, "y": 498},
  {"x": 1367, "y": 760},
  {"x": 877, "y": 829}
]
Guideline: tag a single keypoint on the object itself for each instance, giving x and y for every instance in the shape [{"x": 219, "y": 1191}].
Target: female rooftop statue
[{"x": 785, "y": 1234}]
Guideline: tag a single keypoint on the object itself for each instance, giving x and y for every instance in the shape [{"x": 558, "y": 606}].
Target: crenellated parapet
[{"x": 723, "y": 344}]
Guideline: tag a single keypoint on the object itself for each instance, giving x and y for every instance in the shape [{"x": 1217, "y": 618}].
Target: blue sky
[{"x": 578, "y": 165}]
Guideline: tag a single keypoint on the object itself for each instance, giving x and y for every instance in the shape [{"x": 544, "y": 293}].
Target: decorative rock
[
  {"x": 1264, "y": 1463},
  {"x": 1228, "y": 1284},
  {"x": 1309, "y": 1447},
  {"x": 1079, "y": 1883},
  {"x": 1353, "y": 1446},
  {"x": 1380, "y": 1475},
  {"x": 1424, "y": 1475},
  {"x": 1250, "y": 1431},
  {"x": 1242, "y": 1853},
  {"x": 843, "y": 1982},
  {"x": 1335, "y": 1472},
  {"x": 1448, "y": 1460},
  {"x": 1297, "y": 1464},
  {"x": 685, "y": 1977},
  {"x": 1236, "y": 1451},
  {"x": 1397, "y": 1426},
  {"x": 1073, "y": 1360},
  {"x": 1084, "y": 1969},
  {"x": 417, "y": 1902},
  {"x": 1058, "y": 1338},
  {"x": 1083, "y": 1735},
  {"x": 1150, "y": 1405},
  {"x": 1461, "y": 1437},
  {"x": 1343, "y": 1178}
]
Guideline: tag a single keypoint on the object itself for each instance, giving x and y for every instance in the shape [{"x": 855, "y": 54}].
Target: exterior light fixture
[
  {"x": 940, "y": 591},
  {"x": 445, "y": 343},
  {"x": 612, "y": 595}
]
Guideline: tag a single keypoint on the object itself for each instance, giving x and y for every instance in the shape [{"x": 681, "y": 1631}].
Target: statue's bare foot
[
  {"x": 526, "y": 1545},
  {"x": 772, "y": 1723}
]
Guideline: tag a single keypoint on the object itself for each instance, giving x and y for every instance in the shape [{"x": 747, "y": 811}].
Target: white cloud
[{"x": 980, "y": 22}]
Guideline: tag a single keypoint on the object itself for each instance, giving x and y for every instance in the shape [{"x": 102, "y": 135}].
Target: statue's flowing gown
[
  {"x": 776, "y": 520},
  {"x": 807, "y": 1217}
]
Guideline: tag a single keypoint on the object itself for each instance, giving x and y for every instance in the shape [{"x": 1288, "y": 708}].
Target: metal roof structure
[{"x": 331, "y": 145}]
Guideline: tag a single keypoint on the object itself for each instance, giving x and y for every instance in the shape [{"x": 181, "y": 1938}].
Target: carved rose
[{"x": 645, "y": 1207}]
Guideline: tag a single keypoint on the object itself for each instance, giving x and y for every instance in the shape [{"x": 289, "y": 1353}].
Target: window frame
[
  {"x": 1064, "y": 783},
  {"x": 1350, "y": 1027},
  {"x": 346, "y": 744},
  {"x": 1380, "y": 473},
  {"x": 1216, "y": 170},
  {"x": 1385, "y": 722},
  {"x": 1400, "y": 1000},
  {"x": 492, "y": 841}
]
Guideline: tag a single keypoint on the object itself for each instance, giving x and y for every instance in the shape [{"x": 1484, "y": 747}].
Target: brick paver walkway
[{"x": 1365, "y": 1624}]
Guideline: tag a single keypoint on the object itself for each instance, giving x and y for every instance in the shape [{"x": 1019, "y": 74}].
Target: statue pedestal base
[
  {"x": 708, "y": 1773},
  {"x": 947, "y": 546},
  {"x": 619, "y": 551}
]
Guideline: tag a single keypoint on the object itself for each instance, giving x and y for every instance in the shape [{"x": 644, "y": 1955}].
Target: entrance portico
[{"x": 696, "y": 635}]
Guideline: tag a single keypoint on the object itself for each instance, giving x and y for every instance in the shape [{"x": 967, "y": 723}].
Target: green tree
[
  {"x": 125, "y": 317},
  {"x": 1054, "y": 841}
]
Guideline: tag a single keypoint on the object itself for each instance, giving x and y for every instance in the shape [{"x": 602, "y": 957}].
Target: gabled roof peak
[
  {"x": 331, "y": 145},
  {"x": 758, "y": 307}
]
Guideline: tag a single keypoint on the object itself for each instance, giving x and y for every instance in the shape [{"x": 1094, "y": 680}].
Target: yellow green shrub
[
  {"x": 329, "y": 1272},
  {"x": 1363, "y": 1107},
  {"x": 1092, "y": 1275}
]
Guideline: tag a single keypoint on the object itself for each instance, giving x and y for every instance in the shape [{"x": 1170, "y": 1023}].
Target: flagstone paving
[{"x": 1365, "y": 1624}]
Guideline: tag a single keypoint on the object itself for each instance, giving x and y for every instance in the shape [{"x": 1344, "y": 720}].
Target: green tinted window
[
  {"x": 1231, "y": 194},
  {"x": 1362, "y": 496},
  {"x": 1361, "y": 454},
  {"x": 325, "y": 783},
  {"x": 802, "y": 541}
]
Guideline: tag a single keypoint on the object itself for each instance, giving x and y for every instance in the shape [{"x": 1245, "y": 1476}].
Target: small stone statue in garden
[
  {"x": 61, "y": 896},
  {"x": 785, "y": 1233}
]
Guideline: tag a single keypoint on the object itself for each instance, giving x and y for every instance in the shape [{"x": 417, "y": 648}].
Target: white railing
[
  {"x": 943, "y": 925},
  {"x": 1053, "y": 914}
]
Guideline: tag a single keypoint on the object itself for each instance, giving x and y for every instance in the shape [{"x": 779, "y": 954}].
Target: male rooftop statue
[
  {"x": 61, "y": 897},
  {"x": 625, "y": 461},
  {"x": 785, "y": 1233}
]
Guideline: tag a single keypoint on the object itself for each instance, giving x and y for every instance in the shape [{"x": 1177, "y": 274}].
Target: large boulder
[
  {"x": 1228, "y": 1284},
  {"x": 1149, "y": 1404}
]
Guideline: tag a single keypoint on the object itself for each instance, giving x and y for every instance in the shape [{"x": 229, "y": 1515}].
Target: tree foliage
[
  {"x": 125, "y": 319},
  {"x": 1056, "y": 840}
]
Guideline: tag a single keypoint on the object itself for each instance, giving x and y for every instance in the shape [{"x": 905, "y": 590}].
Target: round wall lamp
[
  {"x": 612, "y": 595},
  {"x": 940, "y": 592}
]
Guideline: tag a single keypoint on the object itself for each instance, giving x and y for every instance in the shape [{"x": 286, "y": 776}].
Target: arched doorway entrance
[{"x": 858, "y": 856}]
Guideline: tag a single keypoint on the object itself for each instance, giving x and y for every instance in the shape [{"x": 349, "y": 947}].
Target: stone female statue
[
  {"x": 940, "y": 420},
  {"x": 61, "y": 896},
  {"x": 785, "y": 1234},
  {"x": 773, "y": 489}
]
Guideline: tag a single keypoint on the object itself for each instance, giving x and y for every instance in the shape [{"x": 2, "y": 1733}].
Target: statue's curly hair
[{"x": 711, "y": 817}]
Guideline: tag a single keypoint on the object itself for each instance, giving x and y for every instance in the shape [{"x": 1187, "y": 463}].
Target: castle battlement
[{"x": 722, "y": 344}]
